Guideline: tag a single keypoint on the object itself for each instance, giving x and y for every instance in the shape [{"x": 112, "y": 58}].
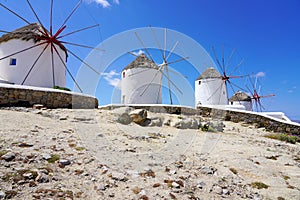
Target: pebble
[
  {"x": 2, "y": 195},
  {"x": 46, "y": 156},
  {"x": 64, "y": 162},
  {"x": 175, "y": 185},
  {"x": 8, "y": 156}
]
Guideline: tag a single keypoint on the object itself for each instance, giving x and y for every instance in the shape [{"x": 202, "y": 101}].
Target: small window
[
  {"x": 199, "y": 82},
  {"x": 231, "y": 103},
  {"x": 123, "y": 74},
  {"x": 13, "y": 62}
]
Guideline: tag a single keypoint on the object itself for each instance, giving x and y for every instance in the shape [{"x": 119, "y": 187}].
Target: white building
[
  {"x": 240, "y": 98},
  {"x": 210, "y": 89},
  {"x": 141, "y": 82},
  {"x": 15, "y": 68}
]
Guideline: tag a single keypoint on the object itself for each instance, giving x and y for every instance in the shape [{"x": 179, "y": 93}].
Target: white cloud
[
  {"x": 103, "y": 3},
  {"x": 111, "y": 78},
  {"x": 290, "y": 91},
  {"x": 138, "y": 53},
  {"x": 260, "y": 74}
]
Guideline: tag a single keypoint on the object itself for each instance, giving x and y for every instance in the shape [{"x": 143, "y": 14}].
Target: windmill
[
  {"x": 35, "y": 44},
  {"x": 255, "y": 94},
  {"x": 142, "y": 79},
  {"x": 225, "y": 76}
]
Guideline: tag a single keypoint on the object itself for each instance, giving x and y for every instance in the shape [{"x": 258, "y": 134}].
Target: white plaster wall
[
  {"x": 246, "y": 104},
  {"x": 211, "y": 91},
  {"x": 41, "y": 75},
  {"x": 133, "y": 86}
]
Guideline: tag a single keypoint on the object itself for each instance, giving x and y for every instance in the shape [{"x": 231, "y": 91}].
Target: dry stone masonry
[{"x": 51, "y": 98}]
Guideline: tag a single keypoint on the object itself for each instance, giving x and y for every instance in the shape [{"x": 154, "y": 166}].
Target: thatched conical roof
[
  {"x": 209, "y": 73},
  {"x": 141, "y": 62},
  {"x": 240, "y": 96},
  {"x": 26, "y": 33}
]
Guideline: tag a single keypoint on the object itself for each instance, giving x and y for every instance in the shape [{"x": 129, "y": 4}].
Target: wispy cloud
[
  {"x": 103, "y": 3},
  {"x": 260, "y": 74},
  {"x": 290, "y": 91},
  {"x": 112, "y": 78},
  {"x": 138, "y": 53}
]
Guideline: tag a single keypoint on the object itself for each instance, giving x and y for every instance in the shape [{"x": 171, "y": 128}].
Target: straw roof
[
  {"x": 26, "y": 33},
  {"x": 209, "y": 73},
  {"x": 240, "y": 96},
  {"x": 141, "y": 62}
]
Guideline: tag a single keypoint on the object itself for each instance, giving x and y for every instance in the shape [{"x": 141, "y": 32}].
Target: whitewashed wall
[
  {"x": 246, "y": 104},
  {"x": 41, "y": 75},
  {"x": 133, "y": 86},
  {"x": 210, "y": 91}
]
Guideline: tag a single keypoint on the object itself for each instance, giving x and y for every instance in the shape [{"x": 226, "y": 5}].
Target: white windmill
[
  {"x": 241, "y": 99},
  {"x": 142, "y": 79},
  {"x": 211, "y": 87},
  {"x": 36, "y": 56}
]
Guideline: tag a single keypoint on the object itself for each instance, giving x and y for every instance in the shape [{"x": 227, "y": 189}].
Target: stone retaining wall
[
  {"x": 51, "y": 98},
  {"x": 256, "y": 119},
  {"x": 251, "y": 118}
]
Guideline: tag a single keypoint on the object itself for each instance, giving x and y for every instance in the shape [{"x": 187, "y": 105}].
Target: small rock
[
  {"x": 101, "y": 187},
  {"x": 28, "y": 175},
  {"x": 208, "y": 170},
  {"x": 138, "y": 116},
  {"x": 8, "y": 156},
  {"x": 42, "y": 178},
  {"x": 2, "y": 195},
  {"x": 200, "y": 185},
  {"x": 172, "y": 172},
  {"x": 64, "y": 162},
  {"x": 157, "y": 121},
  {"x": 24, "y": 144},
  {"x": 118, "y": 176},
  {"x": 124, "y": 119},
  {"x": 225, "y": 192},
  {"x": 46, "y": 156},
  {"x": 175, "y": 185},
  {"x": 136, "y": 190},
  {"x": 155, "y": 185}
]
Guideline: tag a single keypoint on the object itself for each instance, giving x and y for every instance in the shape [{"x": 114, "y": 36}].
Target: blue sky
[{"x": 264, "y": 33}]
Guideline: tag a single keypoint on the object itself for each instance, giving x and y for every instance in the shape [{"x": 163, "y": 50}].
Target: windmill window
[
  {"x": 13, "y": 62},
  {"x": 199, "y": 82},
  {"x": 123, "y": 74}
]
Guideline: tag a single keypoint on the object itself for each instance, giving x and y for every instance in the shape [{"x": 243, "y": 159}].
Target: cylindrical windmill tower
[
  {"x": 141, "y": 82},
  {"x": 28, "y": 65},
  {"x": 240, "y": 98},
  {"x": 210, "y": 89}
]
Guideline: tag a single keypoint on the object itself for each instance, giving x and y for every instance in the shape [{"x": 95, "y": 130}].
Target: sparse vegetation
[
  {"x": 61, "y": 88},
  {"x": 259, "y": 185},
  {"x": 54, "y": 158},
  {"x": 79, "y": 148},
  {"x": 285, "y": 177},
  {"x": 283, "y": 137},
  {"x": 207, "y": 128}
]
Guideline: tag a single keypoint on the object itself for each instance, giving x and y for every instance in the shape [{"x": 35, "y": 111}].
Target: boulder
[
  {"x": 138, "y": 116},
  {"x": 124, "y": 118},
  {"x": 186, "y": 123},
  {"x": 156, "y": 121}
]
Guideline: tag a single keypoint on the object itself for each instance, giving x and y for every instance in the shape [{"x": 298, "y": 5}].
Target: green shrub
[
  {"x": 259, "y": 185},
  {"x": 61, "y": 88},
  {"x": 54, "y": 158},
  {"x": 283, "y": 137}
]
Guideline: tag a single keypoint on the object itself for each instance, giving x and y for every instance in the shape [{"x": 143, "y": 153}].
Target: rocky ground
[{"x": 101, "y": 154}]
